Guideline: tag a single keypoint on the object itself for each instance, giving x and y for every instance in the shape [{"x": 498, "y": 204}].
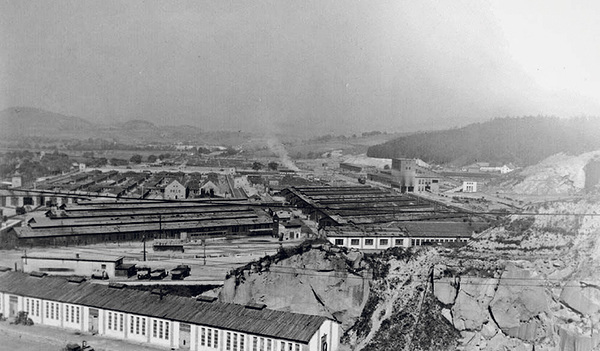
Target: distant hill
[
  {"x": 523, "y": 141},
  {"x": 25, "y": 123}
]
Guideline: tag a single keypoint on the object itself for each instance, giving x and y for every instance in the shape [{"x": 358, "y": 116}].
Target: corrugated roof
[
  {"x": 440, "y": 229},
  {"x": 265, "y": 322}
]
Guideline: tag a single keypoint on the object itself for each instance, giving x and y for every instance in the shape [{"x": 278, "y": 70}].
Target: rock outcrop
[{"x": 321, "y": 280}]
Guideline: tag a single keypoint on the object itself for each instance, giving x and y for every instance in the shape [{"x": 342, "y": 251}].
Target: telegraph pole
[
  {"x": 144, "y": 241},
  {"x": 204, "y": 245}
]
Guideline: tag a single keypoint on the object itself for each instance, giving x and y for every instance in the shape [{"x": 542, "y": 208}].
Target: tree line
[{"x": 520, "y": 140}]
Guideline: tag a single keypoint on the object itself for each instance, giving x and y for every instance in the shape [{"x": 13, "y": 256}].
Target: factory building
[
  {"x": 113, "y": 221},
  {"x": 171, "y": 322},
  {"x": 412, "y": 176},
  {"x": 403, "y": 234},
  {"x": 82, "y": 264}
]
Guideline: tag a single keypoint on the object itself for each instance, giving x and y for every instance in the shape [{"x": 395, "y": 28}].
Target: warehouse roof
[
  {"x": 440, "y": 229},
  {"x": 252, "y": 320},
  {"x": 72, "y": 257}
]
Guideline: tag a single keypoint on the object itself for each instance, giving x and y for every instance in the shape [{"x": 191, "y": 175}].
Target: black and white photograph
[{"x": 300, "y": 175}]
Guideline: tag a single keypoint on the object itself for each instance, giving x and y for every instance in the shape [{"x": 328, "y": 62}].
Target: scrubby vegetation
[{"x": 523, "y": 141}]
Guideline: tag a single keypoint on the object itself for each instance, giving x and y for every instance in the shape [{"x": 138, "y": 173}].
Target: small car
[
  {"x": 158, "y": 273},
  {"x": 143, "y": 273}
]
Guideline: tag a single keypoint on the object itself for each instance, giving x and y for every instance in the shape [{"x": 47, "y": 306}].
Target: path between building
[{"x": 38, "y": 337}]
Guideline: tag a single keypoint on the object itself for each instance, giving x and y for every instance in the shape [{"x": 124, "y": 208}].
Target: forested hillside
[{"x": 523, "y": 141}]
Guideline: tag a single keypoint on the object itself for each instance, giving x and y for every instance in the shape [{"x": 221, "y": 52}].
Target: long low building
[
  {"x": 92, "y": 222},
  {"x": 402, "y": 234},
  {"x": 167, "y": 321}
]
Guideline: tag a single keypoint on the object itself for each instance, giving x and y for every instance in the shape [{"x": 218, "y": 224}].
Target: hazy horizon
[{"x": 320, "y": 67}]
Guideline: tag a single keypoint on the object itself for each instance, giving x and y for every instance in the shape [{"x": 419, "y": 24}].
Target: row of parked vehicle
[{"x": 178, "y": 273}]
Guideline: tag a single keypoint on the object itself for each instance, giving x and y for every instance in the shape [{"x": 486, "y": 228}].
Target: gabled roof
[{"x": 266, "y": 322}]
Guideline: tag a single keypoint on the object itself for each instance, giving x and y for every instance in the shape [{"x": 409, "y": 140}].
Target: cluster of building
[
  {"x": 151, "y": 317},
  {"x": 364, "y": 217},
  {"x": 88, "y": 222}
]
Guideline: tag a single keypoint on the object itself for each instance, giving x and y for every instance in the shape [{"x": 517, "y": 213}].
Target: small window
[
  {"x": 103, "y": 266},
  {"x": 354, "y": 242},
  {"x": 368, "y": 241},
  {"x": 399, "y": 242},
  {"x": 383, "y": 241},
  {"x": 339, "y": 241}
]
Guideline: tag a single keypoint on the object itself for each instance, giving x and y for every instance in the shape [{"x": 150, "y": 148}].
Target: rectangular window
[
  {"x": 254, "y": 343},
  {"x": 368, "y": 241},
  {"x": 209, "y": 336},
  {"x": 66, "y": 313},
  {"x": 202, "y": 336},
  {"x": 269, "y": 342},
  {"x": 143, "y": 326},
  {"x": 131, "y": 323},
  {"x": 160, "y": 330},
  {"x": 262, "y": 344},
  {"x": 216, "y": 344},
  {"x": 120, "y": 321},
  {"x": 282, "y": 348},
  {"x": 47, "y": 309},
  {"x": 399, "y": 242},
  {"x": 27, "y": 303},
  {"x": 242, "y": 341},
  {"x": 154, "y": 329},
  {"x": 290, "y": 346},
  {"x": 235, "y": 341},
  {"x": 77, "y": 312},
  {"x": 339, "y": 241},
  {"x": 228, "y": 342},
  {"x": 297, "y": 347},
  {"x": 52, "y": 310},
  {"x": 383, "y": 241},
  {"x": 167, "y": 330},
  {"x": 37, "y": 308},
  {"x": 354, "y": 242},
  {"x": 109, "y": 320}
]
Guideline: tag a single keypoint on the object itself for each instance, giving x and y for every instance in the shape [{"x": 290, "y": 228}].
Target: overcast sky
[{"x": 322, "y": 66}]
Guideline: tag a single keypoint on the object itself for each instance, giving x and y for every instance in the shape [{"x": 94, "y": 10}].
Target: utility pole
[{"x": 204, "y": 245}]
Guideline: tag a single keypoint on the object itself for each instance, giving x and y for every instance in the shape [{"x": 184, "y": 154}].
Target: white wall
[
  {"x": 72, "y": 267},
  {"x": 377, "y": 244},
  {"x": 57, "y": 316},
  {"x": 329, "y": 330}
]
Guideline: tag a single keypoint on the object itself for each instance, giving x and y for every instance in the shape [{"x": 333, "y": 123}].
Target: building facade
[
  {"x": 469, "y": 187},
  {"x": 411, "y": 176},
  {"x": 165, "y": 321},
  {"x": 175, "y": 191},
  {"x": 74, "y": 264}
]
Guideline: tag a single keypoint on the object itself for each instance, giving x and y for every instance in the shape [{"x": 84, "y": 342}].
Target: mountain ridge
[{"x": 520, "y": 140}]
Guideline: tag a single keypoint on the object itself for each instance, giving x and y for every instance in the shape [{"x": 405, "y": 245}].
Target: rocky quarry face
[
  {"x": 532, "y": 282},
  {"x": 561, "y": 175},
  {"x": 319, "y": 279}
]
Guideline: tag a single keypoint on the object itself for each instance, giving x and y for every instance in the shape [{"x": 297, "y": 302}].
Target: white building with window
[
  {"x": 469, "y": 187},
  {"x": 175, "y": 191},
  {"x": 366, "y": 238},
  {"x": 84, "y": 264},
  {"x": 406, "y": 234},
  {"x": 167, "y": 321}
]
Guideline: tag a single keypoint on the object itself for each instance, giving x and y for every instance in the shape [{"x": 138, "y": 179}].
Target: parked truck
[
  {"x": 143, "y": 273},
  {"x": 180, "y": 272}
]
